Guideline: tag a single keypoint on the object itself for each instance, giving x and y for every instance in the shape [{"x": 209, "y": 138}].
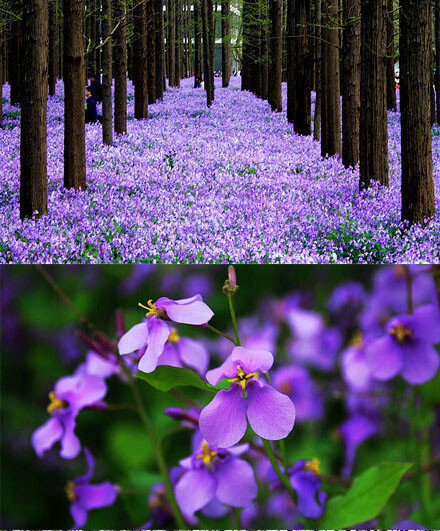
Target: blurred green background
[{"x": 39, "y": 345}]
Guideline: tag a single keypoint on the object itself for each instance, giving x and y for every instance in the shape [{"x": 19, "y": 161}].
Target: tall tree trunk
[
  {"x": 318, "y": 99},
  {"x": 107, "y": 127},
  {"x": 331, "y": 106},
  {"x": 160, "y": 51},
  {"x": 91, "y": 57},
  {"x": 212, "y": 28},
  {"x": 98, "y": 33},
  {"x": 374, "y": 132},
  {"x": 437, "y": 55},
  {"x": 151, "y": 50},
  {"x": 276, "y": 55},
  {"x": 2, "y": 73},
  {"x": 391, "y": 84},
  {"x": 52, "y": 46},
  {"x": 14, "y": 57},
  {"x": 251, "y": 46},
  {"x": 33, "y": 148},
  {"x": 171, "y": 41},
  {"x": 291, "y": 60},
  {"x": 265, "y": 44},
  {"x": 226, "y": 43},
  {"x": 208, "y": 75},
  {"x": 74, "y": 110},
  {"x": 415, "y": 65},
  {"x": 197, "y": 43},
  {"x": 351, "y": 82},
  {"x": 140, "y": 62},
  {"x": 178, "y": 43},
  {"x": 120, "y": 56},
  {"x": 302, "y": 120}
]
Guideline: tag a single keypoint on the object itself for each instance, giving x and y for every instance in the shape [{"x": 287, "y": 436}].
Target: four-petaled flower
[
  {"x": 270, "y": 413},
  {"x": 212, "y": 478},
  {"x": 85, "y": 496},
  {"x": 155, "y": 338}
]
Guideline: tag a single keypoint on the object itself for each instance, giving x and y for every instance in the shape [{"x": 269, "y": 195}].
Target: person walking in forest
[
  {"x": 96, "y": 87},
  {"x": 91, "y": 112}
]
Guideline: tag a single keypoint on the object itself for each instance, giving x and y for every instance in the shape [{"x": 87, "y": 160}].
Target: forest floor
[{"x": 191, "y": 184}]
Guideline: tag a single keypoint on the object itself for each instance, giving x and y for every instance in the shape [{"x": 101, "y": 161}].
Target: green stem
[
  {"x": 282, "y": 477},
  {"x": 234, "y": 319},
  {"x": 284, "y": 454},
  {"x": 158, "y": 453},
  {"x": 219, "y": 332},
  {"x": 237, "y": 518}
]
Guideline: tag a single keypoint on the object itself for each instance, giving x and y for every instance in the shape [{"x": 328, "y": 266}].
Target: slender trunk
[
  {"x": 171, "y": 44},
  {"x": 391, "y": 84},
  {"x": 178, "y": 43},
  {"x": 151, "y": 50},
  {"x": 159, "y": 48},
  {"x": 212, "y": 27},
  {"x": 265, "y": 44},
  {"x": 120, "y": 56},
  {"x": 302, "y": 120},
  {"x": 291, "y": 61},
  {"x": 437, "y": 55},
  {"x": 251, "y": 46},
  {"x": 74, "y": 110},
  {"x": 351, "y": 82},
  {"x": 317, "y": 33},
  {"x": 107, "y": 127},
  {"x": 92, "y": 55},
  {"x": 374, "y": 132},
  {"x": 207, "y": 75},
  {"x": 14, "y": 60},
  {"x": 140, "y": 62},
  {"x": 52, "y": 68},
  {"x": 33, "y": 148},
  {"x": 197, "y": 43},
  {"x": 276, "y": 55},
  {"x": 226, "y": 43},
  {"x": 415, "y": 65},
  {"x": 331, "y": 112},
  {"x": 2, "y": 74}
]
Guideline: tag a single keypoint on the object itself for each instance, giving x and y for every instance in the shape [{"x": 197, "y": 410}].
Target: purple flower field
[{"x": 191, "y": 184}]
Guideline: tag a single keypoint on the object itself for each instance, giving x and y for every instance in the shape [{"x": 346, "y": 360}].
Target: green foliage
[{"x": 366, "y": 498}]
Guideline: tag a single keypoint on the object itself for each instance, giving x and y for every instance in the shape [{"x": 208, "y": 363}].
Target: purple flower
[
  {"x": 355, "y": 369},
  {"x": 306, "y": 481},
  {"x": 85, "y": 496},
  {"x": 407, "y": 348},
  {"x": 151, "y": 336},
  {"x": 409, "y": 524},
  {"x": 213, "y": 477},
  {"x": 161, "y": 515},
  {"x": 71, "y": 394},
  {"x": 270, "y": 413},
  {"x": 296, "y": 383}
]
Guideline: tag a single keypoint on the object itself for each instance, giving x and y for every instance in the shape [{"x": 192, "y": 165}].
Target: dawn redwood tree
[
  {"x": 160, "y": 49},
  {"x": 374, "y": 131},
  {"x": 74, "y": 110},
  {"x": 226, "y": 42},
  {"x": 52, "y": 58},
  {"x": 251, "y": 46},
  {"x": 33, "y": 148},
  {"x": 302, "y": 120},
  {"x": 351, "y": 82},
  {"x": 330, "y": 83},
  {"x": 212, "y": 27},
  {"x": 415, "y": 78},
  {"x": 151, "y": 50},
  {"x": 276, "y": 55},
  {"x": 177, "y": 43},
  {"x": 2, "y": 73},
  {"x": 171, "y": 42},
  {"x": 437, "y": 55},
  {"x": 265, "y": 49},
  {"x": 197, "y": 23},
  {"x": 391, "y": 84},
  {"x": 317, "y": 60},
  {"x": 208, "y": 68},
  {"x": 120, "y": 62},
  {"x": 106, "y": 25},
  {"x": 140, "y": 62},
  {"x": 291, "y": 60}
]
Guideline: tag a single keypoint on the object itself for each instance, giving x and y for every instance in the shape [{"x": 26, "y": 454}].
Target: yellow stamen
[
  {"x": 313, "y": 466},
  {"x": 207, "y": 454},
  {"x": 242, "y": 378},
  {"x": 358, "y": 340},
  {"x": 174, "y": 336},
  {"x": 55, "y": 403},
  {"x": 70, "y": 491},
  {"x": 400, "y": 332},
  {"x": 152, "y": 309}
]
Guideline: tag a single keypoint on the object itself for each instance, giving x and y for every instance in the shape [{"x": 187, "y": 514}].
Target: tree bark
[
  {"x": 351, "y": 82},
  {"x": 208, "y": 73},
  {"x": 33, "y": 148},
  {"x": 415, "y": 66},
  {"x": 2, "y": 73},
  {"x": 151, "y": 50},
  {"x": 374, "y": 132},
  {"x": 276, "y": 55},
  {"x": 178, "y": 42},
  {"x": 437, "y": 55},
  {"x": 226, "y": 43},
  {"x": 74, "y": 109},
  {"x": 391, "y": 84},
  {"x": 140, "y": 62},
  {"x": 120, "y": 56},
  {"x": 331, "y": 106},
  {"x": 291, "y": 60},
  {"x": 52, "y": 46},
  {"x": 302, "y": 121},
  {"x": 106, "y": 24},
  {"x": 251, "y": 46},
  {"x": 160, "y": 50},
  {"x": 197, "y": 43},
  {"x": 318, "y": 98}
]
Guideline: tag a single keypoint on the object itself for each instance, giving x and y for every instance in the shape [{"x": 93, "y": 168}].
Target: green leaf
[
  {"x": 165, "y": 378},
  {"x": 366, "y": 497}
]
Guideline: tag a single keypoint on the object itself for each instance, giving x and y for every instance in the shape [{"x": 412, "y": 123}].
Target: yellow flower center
[
  {"x": 313, "y": 466},
  {"x": 358, "y": 340},
  {"x": 207, "y": 454},
  {"x": 242, "y": 378},
  {"x": 55, "y": 403},
  {"x": 152, "y": 309},
  {"x": 70, "y": 491},
  {"x": 400, "y": 332},
  {"x": 174, "y": 336}
]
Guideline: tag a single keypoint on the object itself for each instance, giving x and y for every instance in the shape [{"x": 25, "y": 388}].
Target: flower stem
[
  {"x": 237, "y": 518},
  {"x": 284, "y": 454},
  {"x": 234, "y": 319},
  {"x": 284, "y": 478},
  {"x": 220, "y": 333}
]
